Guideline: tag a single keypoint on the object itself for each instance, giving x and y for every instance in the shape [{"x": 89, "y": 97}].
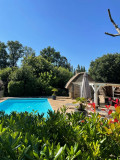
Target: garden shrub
[
  {"x": 4, "y": 76},
  {"x": 59, "y": 136},
  {"x": 16, "y": 88}
]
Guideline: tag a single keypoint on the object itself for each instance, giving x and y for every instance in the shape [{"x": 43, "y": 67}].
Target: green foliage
[
  {"x": 38, "y": 64},
  {"x": 54, "y": 90},
  {"x": 4, "y": 76},
  {"x": 28, "y": 51},
  {"x": 43, "y": 88},
  {"x": 15, "y": 52},
  {"x": 47, "y": 75},
  {"x": 106, "y": 68},
  {"x": 81, "y": 100},
  {"x": 82, "y": 103},
  {"x": 25, "y": 74},
  {"x": 63, "y": 75},
  {"x": 3, "y": 56},
  {"x": 39, "y": 73},
  {"x": 55, "y": 58},
  {"x": 33, "y": 86},
  {"x": 16, "y": 88},
  {"x": 50, "y": 54},
  {"x": 59, "y": 136},
  {"x": 80, "y": 69}
]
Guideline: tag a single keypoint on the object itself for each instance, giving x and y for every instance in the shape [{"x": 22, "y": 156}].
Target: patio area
[
  {"x": 67, "y": 101},
  {"x": 60, "y": 101}
]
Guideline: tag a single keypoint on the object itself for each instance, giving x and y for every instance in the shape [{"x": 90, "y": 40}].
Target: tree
[
  {"x": 63, "y": 75},
  {"x": 115, "y": 25},
  {"x": 50, "y": 54},
  {"x": 80, "y": 69},
  {"x": 63, "y": 62},
  {"x": 15, "y": 52},
  {"x": 83, "y": 69},
  {"x": 38, "y": 64},
  {"x": 28, "y": 51},
  {"x": 25, "y": 76},
  {"x": 4, "y": 76},
  {"x": 55, "y": 58},
  {"x": 3, "y": 56},
  {"x": 106, "y": 68}
]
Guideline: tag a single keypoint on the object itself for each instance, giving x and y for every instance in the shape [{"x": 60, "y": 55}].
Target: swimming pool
[{"x": 41, "y": 105}]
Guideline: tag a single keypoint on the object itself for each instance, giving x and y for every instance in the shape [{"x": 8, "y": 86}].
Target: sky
[{"x": 75, "y": 28}]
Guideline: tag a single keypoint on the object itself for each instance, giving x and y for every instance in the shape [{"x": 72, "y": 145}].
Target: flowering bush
[{"x": 60, "y": 136}]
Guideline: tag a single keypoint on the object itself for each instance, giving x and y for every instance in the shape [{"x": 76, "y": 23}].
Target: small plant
[
  {"x": 54, "y": 90},
  {"x": 82, "y": 103}
]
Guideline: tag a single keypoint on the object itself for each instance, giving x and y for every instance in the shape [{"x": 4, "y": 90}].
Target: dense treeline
[
  {"x": 79, "y": 69},
  {"x": 37, "y": 74},
  {"x": 11, "y": 52},
  {"x": 106, "y": 68}
]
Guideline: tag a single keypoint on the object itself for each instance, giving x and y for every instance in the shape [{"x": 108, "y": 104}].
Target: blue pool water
[{"x": 41, "y": 105}]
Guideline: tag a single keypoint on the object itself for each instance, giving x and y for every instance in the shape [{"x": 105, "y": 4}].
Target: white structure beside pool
[{"x": 74, "y": 87}]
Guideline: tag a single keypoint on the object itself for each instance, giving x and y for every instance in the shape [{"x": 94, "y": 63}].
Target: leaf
[
  {"x": 103, "y": 140},
  {"x": 59, "y": 152},
  {"x": 35, "y": 154},
  {"x": 16, "y": 140},
  {"x": 72, "y": 151},
  {"x": 24, "y": 152},
  {"x": 75, "y": 147},
  {"x": 77, "y": 154},
  {"x": 17, "y": 147},
  {"x": 8, "y": 149},
  {"x": 112, "y": 126}
]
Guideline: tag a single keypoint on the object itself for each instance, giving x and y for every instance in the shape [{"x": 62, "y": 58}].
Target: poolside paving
[
  {"x": 66, "y": 101},
  {"x": 61, "y": 101}
]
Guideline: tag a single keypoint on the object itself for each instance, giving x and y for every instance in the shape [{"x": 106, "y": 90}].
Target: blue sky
[{"x": 73, "y": 27}]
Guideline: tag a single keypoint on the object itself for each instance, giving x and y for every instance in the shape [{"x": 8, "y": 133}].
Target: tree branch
[
  {"x": 113, "y": 35},
  {"x": 115, "y": 25}
]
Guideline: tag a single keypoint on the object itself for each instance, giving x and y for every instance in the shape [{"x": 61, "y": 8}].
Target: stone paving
[
  {"x": 60, "y": 102},
  {"x": 3, "y": 99}
]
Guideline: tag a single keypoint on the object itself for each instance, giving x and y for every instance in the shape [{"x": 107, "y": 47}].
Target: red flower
[
  {"x": 82, "y": 121},
  {"x": 109, "y": 112},
  {"x": 115, "y": 105},
  {"x": 111, "y": 122},
  {"x": 107, "y": 106},
  {"x": 115, "y": 120},
  {"x": 93, "y": 105},
  {"x": 116, "y": 101}
]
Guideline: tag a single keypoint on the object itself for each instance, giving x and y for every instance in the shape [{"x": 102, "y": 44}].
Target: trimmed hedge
[{"x": 16, "y": 88}]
